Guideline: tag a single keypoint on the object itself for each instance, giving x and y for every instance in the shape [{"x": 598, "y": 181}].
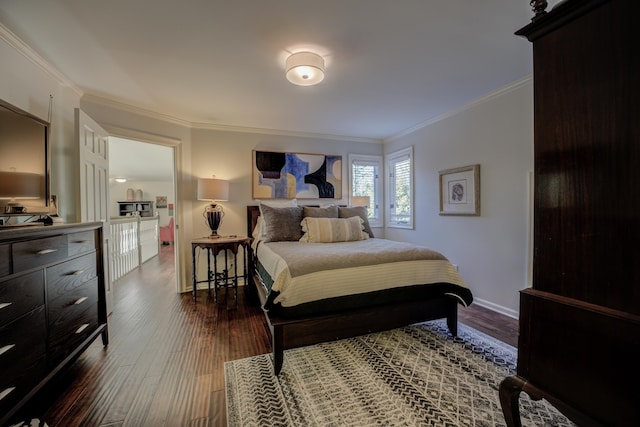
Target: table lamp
[
  {"x": 360, "y": 201},
  {"x": 213, "y": 190}
]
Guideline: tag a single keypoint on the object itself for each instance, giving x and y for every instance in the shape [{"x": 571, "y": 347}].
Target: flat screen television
[{"x": 24, "y": 162}]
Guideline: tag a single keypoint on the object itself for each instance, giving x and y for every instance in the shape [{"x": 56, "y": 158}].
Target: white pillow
[
  {"x": 330, "y": 230},
  {"x": 273, "y": 203}
]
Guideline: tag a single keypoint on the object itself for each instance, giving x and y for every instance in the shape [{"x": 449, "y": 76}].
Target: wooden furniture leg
[{"x": 510, "y": 389}]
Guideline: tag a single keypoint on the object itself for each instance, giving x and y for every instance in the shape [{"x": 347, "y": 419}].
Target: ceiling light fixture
[
  {"x": 121, "y": 180},
  {"x": 305, "y": 68}
]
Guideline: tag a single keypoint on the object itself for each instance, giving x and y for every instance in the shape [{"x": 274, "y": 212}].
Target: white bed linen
[{"x": 352, "y": 280}]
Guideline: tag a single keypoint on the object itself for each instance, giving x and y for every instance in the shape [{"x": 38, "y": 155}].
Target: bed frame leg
[
  {"x": 278, "y": 351},
  {"x": 278, "y": 359},
  {"x": 452, "y": 318}
]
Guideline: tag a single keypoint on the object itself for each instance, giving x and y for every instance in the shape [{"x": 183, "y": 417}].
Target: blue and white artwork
[{"x": 296, "y": 175}]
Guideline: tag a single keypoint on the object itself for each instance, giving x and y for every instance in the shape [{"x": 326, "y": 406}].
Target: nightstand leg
[{"x": 215, "y": 277}]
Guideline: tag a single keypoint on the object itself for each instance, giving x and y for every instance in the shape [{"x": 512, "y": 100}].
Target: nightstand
[{"x": 222, "y": 278}]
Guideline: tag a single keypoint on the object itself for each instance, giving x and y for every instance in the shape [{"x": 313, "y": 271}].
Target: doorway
[{"x": 144, "y": 172}]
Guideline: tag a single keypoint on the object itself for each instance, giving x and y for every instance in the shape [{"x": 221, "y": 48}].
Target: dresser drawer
[
  {"x": 11, "y": 393},
  {"x": 63, "y": 279},
  {"x": 22, "y": 356},
  {"x": 20, "y": 294},
  {"x": 72, "y": 318},
  {"x": 5, "y": 260},
  {"x": 82, "y": 242},
  {"x": 34, "y": 253},
  {"x": 22, "y": 342}
]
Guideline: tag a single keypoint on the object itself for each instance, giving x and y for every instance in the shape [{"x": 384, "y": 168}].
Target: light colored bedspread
[{"x": 305, "y": 272}]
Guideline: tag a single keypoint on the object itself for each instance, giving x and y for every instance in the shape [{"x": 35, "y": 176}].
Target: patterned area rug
[{"x": 413, "y": 376}]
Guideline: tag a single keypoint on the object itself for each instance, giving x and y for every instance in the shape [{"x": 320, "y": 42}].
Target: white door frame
[{"x": 176, "y": 145}]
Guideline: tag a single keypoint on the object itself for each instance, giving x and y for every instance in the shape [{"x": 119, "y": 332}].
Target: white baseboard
[{"x": 497, "y": 308}]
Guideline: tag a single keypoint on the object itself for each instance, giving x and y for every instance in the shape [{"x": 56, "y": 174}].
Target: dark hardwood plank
[
  {"x": 164, "y": 365},
  {"x": 496, "y": 325}
]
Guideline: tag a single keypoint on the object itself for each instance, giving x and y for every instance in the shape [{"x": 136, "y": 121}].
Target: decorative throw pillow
[
  {"x": 282, "y": 224},
  {"x": 330, "y": 230},
  {"x": 361, "y": 211},
  {"x": 275, "y": 203},
  {"x": 322, "y": 212}
]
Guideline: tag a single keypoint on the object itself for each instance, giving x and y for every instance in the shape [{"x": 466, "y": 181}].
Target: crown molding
[
  {"x": 280, "y": 132},
  {"x": 474, "y": 103},
  {"x": 112, "y": 103},
  {"x": 128, "y": 108},
  {"x": 14, "y": 41}
]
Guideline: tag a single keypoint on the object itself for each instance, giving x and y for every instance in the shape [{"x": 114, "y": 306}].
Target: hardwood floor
[{"x": 164, "y": 365}]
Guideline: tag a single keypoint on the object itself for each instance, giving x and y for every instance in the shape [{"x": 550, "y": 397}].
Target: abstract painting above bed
[{"x": 296, "y": 175}]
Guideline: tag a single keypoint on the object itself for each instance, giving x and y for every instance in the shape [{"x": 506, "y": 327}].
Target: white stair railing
[{"x": 124, "y": 248}]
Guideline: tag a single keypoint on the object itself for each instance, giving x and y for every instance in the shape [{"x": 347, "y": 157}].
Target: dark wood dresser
[
  {"x": 579, "y": 341},
  {"x": 52, "y": 305}
]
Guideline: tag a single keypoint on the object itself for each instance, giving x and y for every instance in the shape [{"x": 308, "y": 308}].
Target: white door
[{"x": 93, "y": 146}]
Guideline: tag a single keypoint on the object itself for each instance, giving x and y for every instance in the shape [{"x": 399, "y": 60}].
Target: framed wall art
[
  {"x": 460, "y": 191},
  {"x": 277, "y": 175},
  {"x": 161, "y": 202}
]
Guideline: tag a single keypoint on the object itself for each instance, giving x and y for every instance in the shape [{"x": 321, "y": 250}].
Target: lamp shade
[
  {"x": 305, "y": 68},
  {"x": 213, "y": 189},
  {"x": 360, "y": 201}
]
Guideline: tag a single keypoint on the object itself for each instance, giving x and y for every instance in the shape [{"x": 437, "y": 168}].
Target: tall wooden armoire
[{"x": 579, "y": 342}]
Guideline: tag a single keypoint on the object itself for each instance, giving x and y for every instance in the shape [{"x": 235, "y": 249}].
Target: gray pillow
[
  {"x": 282, "y": 224},
  {"x": 324, "y": 212},
  {"x": 360, "y": 211}
]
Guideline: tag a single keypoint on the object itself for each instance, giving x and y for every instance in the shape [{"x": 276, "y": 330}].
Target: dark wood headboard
[{"x": 253, "y": 212}]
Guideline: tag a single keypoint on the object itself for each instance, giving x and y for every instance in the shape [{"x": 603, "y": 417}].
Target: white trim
[
  {"x": 472, "y": 104},
  {"x": 497, "y": 308},
  {"x": 120, "y": 106},
  {"x": 142, "y": 136},
  {"x": 20, "y": 46},
  {"x": 394, "y": 157},
  {"x": 379, "y": 160}
]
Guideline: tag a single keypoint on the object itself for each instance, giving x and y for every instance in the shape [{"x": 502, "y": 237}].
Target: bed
[{"x": 309, "y": 298}]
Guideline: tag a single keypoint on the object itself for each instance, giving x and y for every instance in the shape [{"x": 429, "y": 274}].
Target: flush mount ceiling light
[
  {"x": 121, "y": 180},
  {"x": 305, "y": 68}
]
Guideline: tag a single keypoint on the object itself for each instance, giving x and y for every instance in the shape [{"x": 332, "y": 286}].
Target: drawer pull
[
  {"x": 81, "y": 241},
  {"x": 6, "y": 392},
  {"x": 46, "y": 251},
  {"x": 6, "y": 348},
  {"x": 82, "y": 328},
  {"x": 80, "y": 300},
  {"x": 77, "y": 272},
  {"x": 5, "y": 305}
]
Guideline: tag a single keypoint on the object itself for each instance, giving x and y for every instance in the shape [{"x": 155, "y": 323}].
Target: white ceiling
[
  {"x": 391, "y": 64},
  {"x": 139, "y": 161}
]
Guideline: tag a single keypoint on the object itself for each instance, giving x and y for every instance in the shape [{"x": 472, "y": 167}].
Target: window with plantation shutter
[
  {"x": 365, "y": 173},
  {"x": 400, "y": 188}
]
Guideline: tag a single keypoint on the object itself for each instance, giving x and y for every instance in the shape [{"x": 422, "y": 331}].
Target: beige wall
[{"x": 491, "y": 250}]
